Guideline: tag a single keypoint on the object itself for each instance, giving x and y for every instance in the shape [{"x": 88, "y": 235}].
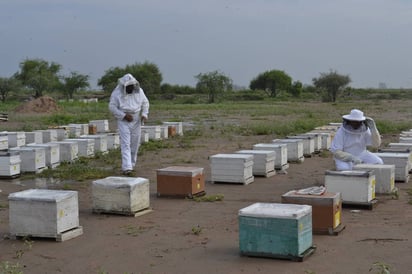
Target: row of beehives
[{"x": 39, "y": 149}]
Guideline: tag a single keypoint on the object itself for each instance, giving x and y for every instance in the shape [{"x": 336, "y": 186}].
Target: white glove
[
  {"x": 347, "y": 157},
  {"x": 376, "y": 137}
]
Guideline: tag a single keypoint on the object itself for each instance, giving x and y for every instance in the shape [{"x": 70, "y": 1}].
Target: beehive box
[
  {"x": 405, "y": 139},
  {"x": 69, "y": 150},
  {"x": 34, "y": 137},
  {"x": 281, "y": 151},
  {"x": 171, "y": 130},
  {"x": 113, "y": 140},
  {"x": 232, "y": 168},
  {"x": 178, "y": 126},
  {"x": 49, "y": 135},
  {"x": 62, "y": 133},
  {"x": 384, "y": 175},
  {"x": 100, "y": 142},
  {"x": 82, "y": 128},
  {"x": 275, "y": 230},
  {"x": 164, "y": 132},
  {"x": 180, "y": 181},
  {"x": 326, "y": 208},
  {"x": 85, "y": 146},
  {"x": 44, "y": 213},
  {"x": 355, "y": 186},
  {"x": 308, "y": 142},
  {"x": 295, "y": 149},
  {"x": 102, "y": 126},
  {"x": 16, "y": 139},
  {"x": 33, "y": 159},
  {"x": 52, "y": 153},
  {"x": 317, "y": 140},
  {"x": 4, "y": 141},
  {"x": 74, "y": 130},
  {"x": 401, "y": 145},
  {"x": 326, "y": 138},
  {"x": 154, "y": 132},
  {"x": 398, "y": 150},
  {"x": 263, "y": 161},
  {"x": 120, "y": 195},
  {"x": 9, "y": 164},
  {"x": 144, "y": 137},
  {"x": 401, "y": 162}
]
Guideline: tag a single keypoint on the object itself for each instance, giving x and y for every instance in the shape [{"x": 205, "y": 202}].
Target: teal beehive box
[{"x": 275, "y": 230}]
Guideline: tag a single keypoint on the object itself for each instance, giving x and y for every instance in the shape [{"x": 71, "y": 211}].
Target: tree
[
  {"x": 272, "y": 81},
  {"x": 148, "y": 75},
  {"x": 212, "y": 83},
  {"x": 74, "y": 83},
  {"x": 38, "y": 75},
  {"x": 332, "y": 83},
  {"x": 296, "y": 88},
  {"x": 6, "y": 86}
]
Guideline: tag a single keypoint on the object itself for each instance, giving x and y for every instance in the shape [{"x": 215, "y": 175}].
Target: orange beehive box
[
  {"x": 180, "y": 181},
  {"x": 171, "y": 130},
  {"x": 326, "y": 208}
]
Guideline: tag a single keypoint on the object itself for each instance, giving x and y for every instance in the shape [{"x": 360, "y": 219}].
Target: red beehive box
[{"x": 180, "y": 181}]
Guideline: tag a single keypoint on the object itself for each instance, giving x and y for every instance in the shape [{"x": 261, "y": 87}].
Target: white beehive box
[
  {"x": 34, "y": 137},
  {"x": 69, "y": 150},
  {"x": 263, "y": 161},
  {"x": 326, "y": 138},
  {"x": 86, "y": 146},
  {"x": 121, "y": 195},
  {"x": 9, "y": 164},
  {"x": 102, "y": 126},
  {"x": 4, "y": 141},
  {"x": 317, "y": 140},
  {"x": 16, "y": 139},
  {"x": 81, "y": 128},
  {"x": 232, "y": 168},
  {"x": 308, "y": 143},
  {"x": 384, "y": 175},
  {"x": 401, "y": 162},
  {"x": 49, "y": 135},
  {"x": 33, "y": 159},
  {"x": 355, "y": 186},
  {"x": 52, "y": 153},
  {"x": 74, "y": 130},
  {"x": 164, "y": 132},
  {"x": 154, "y": 132},
  {"x": 100, "y": 142},
  {"x": 405, "y": 139},
  {"x": 113, "y": 140},
  {"x": 62, "y": 133},
  {"x": 144, "y": 137},
  {"x": 281, "y": 150},
  {"x": 398, "y": 150},
  {"x": 401, "y": 145},
  {"x": 43, "y": 213},
  {"x": 295, "y": 149},
  {"x": 178, "y": 125}
]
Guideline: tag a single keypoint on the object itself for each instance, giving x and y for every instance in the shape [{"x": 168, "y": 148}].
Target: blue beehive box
[{"x": 275, "y": 230}]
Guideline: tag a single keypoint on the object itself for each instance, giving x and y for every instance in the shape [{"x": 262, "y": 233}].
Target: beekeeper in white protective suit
[
  {"x": 130, "y": 107},
  {"x": 349, "y": 146}
]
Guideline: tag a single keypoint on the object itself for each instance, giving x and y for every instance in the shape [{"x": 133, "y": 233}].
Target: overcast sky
[{"x": 369, "y": 40}]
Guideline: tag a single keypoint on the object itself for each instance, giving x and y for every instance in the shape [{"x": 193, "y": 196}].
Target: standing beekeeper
[
  {"x": 349, "y": 146},
  {"x": 130, "y": 107}
]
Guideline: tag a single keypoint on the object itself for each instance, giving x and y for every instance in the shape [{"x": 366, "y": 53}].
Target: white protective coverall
[
  {"x": 349, "y": 146},
  {"x": 136, "y": 104}
]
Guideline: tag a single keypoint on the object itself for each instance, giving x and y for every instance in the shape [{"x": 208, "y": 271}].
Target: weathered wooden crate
[
  {"x": 9, "y": 164},
  {"x": 295, "y": 149},
  {"x": 326, "y": 209},
  {"x": 401, "y": 162},
  {"x": 384, "y": 175},
  {"x": 181, "y": 181},
  {"x": 86, "y": 146},
  {"x": 263, "y": 161},
  {"x": 275, "y": 230},
  {"x": 355, "y": 186},
  {"x": 232, "y": 168},
  {"x": 281, "y": 150},
  {"x": 52, "y": 153},
  {"x": 121, "y": 195},
  {"x": 102, "y": 126},
  {"x": 44, "y": 213},
  {"x": 33, "y": 159},
  {"x": 100, "y": 142}
]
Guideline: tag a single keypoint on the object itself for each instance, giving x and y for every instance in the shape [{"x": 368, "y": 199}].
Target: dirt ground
[{"x": 163, "y": 240}]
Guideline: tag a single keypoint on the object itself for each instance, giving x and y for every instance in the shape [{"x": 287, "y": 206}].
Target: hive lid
[
  {"x": 246, "y": 157},
  {"x": 277, "y": 210},
  {"x": 180, "y": 170},
  {"x": 119, "y": 182},
  {"x": 350, "y": 173},
  {"x": 44, "y": 195}
]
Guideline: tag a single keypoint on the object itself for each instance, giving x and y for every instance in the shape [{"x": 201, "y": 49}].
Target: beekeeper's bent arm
[
  {"x": 346, "y": 157},
  {"x": 376, "y": 137}
]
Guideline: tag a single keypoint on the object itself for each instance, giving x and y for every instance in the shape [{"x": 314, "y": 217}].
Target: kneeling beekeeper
[
  {"x": 130, "y": 107},
  {"x": 349, "y": 146}
]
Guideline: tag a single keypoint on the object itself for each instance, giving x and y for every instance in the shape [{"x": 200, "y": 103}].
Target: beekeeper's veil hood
[{"x": 128, "y": 80}]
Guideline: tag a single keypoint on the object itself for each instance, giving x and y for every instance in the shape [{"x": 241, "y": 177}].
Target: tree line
[{"x": 39, "y": 77}]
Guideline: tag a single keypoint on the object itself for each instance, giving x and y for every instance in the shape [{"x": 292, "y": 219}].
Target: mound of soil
[{"x": 44, "y": 104}]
